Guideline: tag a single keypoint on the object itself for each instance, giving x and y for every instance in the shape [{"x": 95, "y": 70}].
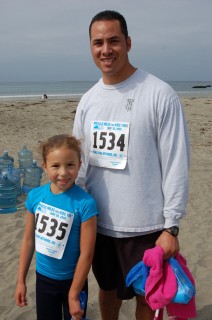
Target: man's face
[{"x": 109, "y": 49}]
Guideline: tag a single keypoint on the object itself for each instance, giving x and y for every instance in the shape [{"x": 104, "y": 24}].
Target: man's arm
[{"x": 174, "y": 153}]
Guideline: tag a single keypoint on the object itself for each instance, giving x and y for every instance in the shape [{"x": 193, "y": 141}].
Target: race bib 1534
[{"x": 109, "y": 144}]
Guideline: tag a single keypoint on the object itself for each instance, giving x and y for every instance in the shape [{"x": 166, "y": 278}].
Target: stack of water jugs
[{"x": 11, "y": 186}]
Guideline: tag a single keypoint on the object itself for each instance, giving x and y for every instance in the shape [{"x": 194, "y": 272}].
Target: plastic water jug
[
  {"x": 6, "y": 162},
  {"x": 8, "y": 195},
  {"x": 25, "y": 158},
  {"x": 15, "y": 176},
  {"x": 32, "y": 177}
]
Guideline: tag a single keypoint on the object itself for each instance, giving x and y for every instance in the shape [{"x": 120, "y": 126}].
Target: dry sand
[{"x": 28, "y": 122}]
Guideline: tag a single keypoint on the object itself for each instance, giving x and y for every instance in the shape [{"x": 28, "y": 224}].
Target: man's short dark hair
[{"x": 108, "y": 15}]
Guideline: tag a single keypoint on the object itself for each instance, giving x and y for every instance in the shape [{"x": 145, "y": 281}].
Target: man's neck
[{"x": 118, "y": 78}]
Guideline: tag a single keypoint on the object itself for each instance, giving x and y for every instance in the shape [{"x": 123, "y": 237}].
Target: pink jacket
[{"x": 161, "y": 284}]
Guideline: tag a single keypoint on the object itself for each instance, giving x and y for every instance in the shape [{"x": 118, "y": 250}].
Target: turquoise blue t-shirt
[{"x": 75, "y": 201}]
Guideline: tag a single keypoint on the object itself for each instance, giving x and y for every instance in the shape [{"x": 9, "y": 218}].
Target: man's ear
[{"x": 129, "y": 44}]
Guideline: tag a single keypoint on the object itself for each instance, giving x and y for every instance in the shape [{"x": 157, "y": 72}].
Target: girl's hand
[
  {"x": 74, "y": 308},
  {"x": 20, "y": 295}
]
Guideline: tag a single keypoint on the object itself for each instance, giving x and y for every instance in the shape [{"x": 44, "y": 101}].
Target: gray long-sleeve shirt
[{"x": 152, "y": 190}]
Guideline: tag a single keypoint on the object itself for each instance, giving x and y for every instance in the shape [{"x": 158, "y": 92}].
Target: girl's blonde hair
[{"x": 58, "y": 141}]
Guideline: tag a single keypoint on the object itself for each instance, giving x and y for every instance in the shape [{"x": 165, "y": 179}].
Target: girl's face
[{"x": 62, "y": 166}]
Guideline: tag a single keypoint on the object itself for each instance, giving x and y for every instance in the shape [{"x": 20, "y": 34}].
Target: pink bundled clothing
[{"x": 161, "y": 284}]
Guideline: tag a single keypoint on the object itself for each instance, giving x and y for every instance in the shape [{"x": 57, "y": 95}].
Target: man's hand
[{"x": 169, "y": 244}]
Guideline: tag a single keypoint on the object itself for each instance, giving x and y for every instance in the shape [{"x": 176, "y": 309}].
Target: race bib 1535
[{"x": 53, "y": 226}]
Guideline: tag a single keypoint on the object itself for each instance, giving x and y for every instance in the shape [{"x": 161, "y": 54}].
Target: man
[{"x": 135, "y": 163}]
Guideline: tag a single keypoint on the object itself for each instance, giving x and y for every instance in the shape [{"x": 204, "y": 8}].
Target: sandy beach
[{"x": 28, "y": 122}]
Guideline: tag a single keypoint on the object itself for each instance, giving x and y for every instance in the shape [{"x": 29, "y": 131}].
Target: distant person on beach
[
  {"x": 61, "y": 225},
  {"x": 44, "y": 97},
  {"x": 135, "y": 162}
]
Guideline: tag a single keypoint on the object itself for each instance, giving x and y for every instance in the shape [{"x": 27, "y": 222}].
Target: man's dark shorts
[{"x": 114, "y": 257}]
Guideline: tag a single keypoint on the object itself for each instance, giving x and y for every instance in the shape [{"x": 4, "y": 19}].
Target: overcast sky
[{"x": 47, "y": 40}]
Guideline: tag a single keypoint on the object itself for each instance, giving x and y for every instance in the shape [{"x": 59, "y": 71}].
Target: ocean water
[
  {"x": 75, "y": 89},
  {"x": 185, "y": 88},
  {"x": 54, "y": 90}
]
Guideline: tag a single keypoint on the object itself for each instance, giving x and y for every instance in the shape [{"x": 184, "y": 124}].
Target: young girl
[{"x": 61, "y": 226}]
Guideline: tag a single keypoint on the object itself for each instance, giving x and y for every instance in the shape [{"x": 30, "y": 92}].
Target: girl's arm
[
  {"x": 26, "y": 254},
  {"x": 87, "y": 244}
]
